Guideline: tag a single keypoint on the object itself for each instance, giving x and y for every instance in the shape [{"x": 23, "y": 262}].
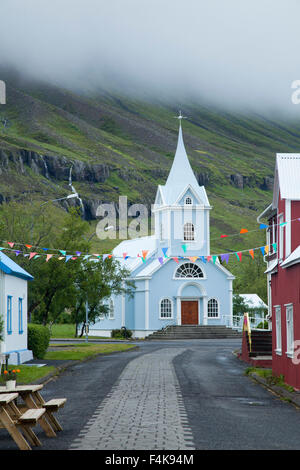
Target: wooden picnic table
[
  {"x": 32, "y": 398},
  {"x": 19, "y": 424}
]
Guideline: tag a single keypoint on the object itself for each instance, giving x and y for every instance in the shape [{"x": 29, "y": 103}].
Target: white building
[{"x": 13, "y": 310}]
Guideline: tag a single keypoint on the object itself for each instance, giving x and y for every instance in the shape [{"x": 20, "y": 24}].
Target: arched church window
[
  {"x": 189, "y": 270},
  {"x": 188, "y": 200},
  {"x": 188, "y": 231},
  {"x": 212, "y": 308},
  {"x": 165, "y": 308},
  {"x": 111, "y": 309}
]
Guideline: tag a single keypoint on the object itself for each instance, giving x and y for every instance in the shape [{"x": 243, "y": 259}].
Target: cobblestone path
[{"x": 144, "y": 409}]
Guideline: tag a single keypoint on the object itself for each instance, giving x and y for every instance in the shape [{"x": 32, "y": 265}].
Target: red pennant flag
[
  {"x": 208, "y": 258},
  {"x": 124, "y": 255},
  {"x": 28, "y": 246},
  {"x": 32, "y": 255},
  {"x": 175, "y": 259},
  {"x": 251, "y": 253},
  {"x": 223, "y": 236},
  {"x": 11, "y": 244},
  {"x": 239, "y": 255}
]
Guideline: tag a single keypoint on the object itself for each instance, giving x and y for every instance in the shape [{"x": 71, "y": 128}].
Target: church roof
[
  {"x": 133, "y": 248},
  {"x": 181, "y": 177}
]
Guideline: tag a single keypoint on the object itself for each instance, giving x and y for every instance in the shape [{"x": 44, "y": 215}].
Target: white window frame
[
  {"x": 218, "y": 308},
  {"x": 189, "y": 232},
  {"x": 160, "y": 309},
  {"x": 111, "y": 314},
  {"x": 289, "y": 312},
  {"x": 278, "y": 349}
]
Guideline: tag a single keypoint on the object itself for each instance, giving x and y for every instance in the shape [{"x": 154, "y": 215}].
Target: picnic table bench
[
  {"x": 33, "y": 401},
  {"x": 19, "y": 424}
]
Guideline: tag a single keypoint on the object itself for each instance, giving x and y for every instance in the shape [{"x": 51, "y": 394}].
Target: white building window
[
  {"x": 188, "y": 200},
  {"x": 111, "y": 314},
  {"x": 212, "y": 308},
  {"x": 189, "y": 232},
  {"x": 165, "y": 310},
  {"x": 278, "y": 328},
  {"x": 289, "y": 330},
  {"x": 189, "y": 270}
]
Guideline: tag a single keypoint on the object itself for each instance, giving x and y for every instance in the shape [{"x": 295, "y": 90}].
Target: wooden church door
[{"x": 189, "y": 312}]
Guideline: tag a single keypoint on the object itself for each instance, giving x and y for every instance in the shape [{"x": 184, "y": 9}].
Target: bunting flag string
[{"x": 63, "y": 255}]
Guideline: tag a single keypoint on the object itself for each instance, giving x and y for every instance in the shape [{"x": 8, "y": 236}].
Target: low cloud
[{"x": 241, "y": 54}]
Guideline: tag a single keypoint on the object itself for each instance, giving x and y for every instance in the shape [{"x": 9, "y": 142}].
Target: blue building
[{"x": 175, "y": 284}]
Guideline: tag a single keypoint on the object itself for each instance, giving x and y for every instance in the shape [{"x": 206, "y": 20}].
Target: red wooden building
[{"x": 283, "y": 268}]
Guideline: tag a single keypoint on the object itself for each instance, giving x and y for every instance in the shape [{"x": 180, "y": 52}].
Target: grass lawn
[
  {"x": 29, "y": 374},
  {"x": 83, "y": 351}
]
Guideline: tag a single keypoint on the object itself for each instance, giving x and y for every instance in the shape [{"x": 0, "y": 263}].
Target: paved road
[{"x": 168, "y": 395}]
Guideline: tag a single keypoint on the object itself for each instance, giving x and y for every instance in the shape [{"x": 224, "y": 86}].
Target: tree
[
  {"x": 60, "y": 284},
  {"x": 95, "y": 283}
]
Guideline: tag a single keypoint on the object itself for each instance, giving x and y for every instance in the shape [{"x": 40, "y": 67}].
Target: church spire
[{"x": 181, "y": 173}]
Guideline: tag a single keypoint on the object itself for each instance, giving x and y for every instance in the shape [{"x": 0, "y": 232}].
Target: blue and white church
[{"x": 175, "y": 284}]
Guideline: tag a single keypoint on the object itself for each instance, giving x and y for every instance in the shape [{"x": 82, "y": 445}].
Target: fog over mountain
[{"x": 241, "y": 54}]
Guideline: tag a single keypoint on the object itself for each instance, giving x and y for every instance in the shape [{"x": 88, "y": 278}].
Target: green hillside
[{"x": 122, "y": 146}]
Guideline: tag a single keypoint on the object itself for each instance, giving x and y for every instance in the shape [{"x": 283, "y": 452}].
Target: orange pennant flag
[
  {"x": 251, "y": 253},
  {"x": 28, "y": 246},
  {"x": 267, "y": 249},
  {"x": 243, "y": 230},
  {"x": 192, "y": 258},
  {"x": 144, "y": 253}
]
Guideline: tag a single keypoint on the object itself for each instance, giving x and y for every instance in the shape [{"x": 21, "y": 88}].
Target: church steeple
[
  {"x": 181, "y": 208},
  {"x": 181, "y": 175}
]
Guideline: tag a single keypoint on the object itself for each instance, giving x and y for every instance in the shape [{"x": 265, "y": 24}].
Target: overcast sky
[{"x": 238, "y": 52}]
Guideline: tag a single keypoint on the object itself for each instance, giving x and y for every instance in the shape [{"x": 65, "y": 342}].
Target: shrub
[
  {"x": 38, "y": 340},
  {"x": 123, "y": 333}
]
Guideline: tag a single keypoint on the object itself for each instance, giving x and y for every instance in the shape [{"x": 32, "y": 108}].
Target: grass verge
[
  {"x": 269, "y": 377},
  {"x": 83, "y": 351}
]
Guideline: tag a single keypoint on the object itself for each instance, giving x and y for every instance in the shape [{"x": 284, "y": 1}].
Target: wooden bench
[
  {"x": 19, "y": 424},
  {"x": 52, "y": 406}
]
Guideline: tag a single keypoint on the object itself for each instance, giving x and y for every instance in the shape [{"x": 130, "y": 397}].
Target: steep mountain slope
[{"x": 122, "y": 146}]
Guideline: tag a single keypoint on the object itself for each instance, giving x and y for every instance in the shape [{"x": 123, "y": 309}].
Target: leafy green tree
[
  {"x": 60, "y": 285},
  {"x": 94, "y": 285}
]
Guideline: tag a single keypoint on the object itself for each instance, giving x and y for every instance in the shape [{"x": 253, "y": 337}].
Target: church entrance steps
[{"x": 194, "y": 332}]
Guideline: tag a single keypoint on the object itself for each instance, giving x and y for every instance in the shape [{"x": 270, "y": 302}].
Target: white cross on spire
[{"x": 180, "y": 116}]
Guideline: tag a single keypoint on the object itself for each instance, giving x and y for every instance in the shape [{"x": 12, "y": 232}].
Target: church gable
[{"x": 189, "y": 197}]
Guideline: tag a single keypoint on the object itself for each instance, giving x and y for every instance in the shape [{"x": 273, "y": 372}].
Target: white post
[
  {"x": 204, "y": 309},
  {"x": 146, "y": 304},
  {"x": 178, "y": 304}
]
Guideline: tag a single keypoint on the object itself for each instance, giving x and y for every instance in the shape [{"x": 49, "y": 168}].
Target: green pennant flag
[
  {"x": 274, "y": 245},
  {"x": 63, "y": 252},
  {"x": 183, "y": 247},
  {"x": 214, "y": 258}
]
